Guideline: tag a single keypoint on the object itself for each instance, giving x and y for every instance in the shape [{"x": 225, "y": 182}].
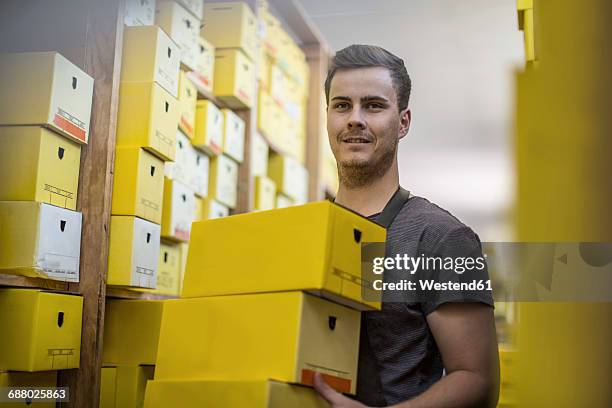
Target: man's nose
[{"x": 356, "y": 121}]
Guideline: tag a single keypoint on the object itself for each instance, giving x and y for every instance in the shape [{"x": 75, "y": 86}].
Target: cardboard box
[
  {"x": 259, "y": 155},
  {"x": 188, "y": 95},
  {"x": 278, "y": 85},
  {"x": 282, "y": 201},
  {"x": 45, "y": 330},
  {"x": 16, "y": 379},
  {"x": 168, "y": 272},
  {"x": 234, "y": 78},
  {"x": 184, "y": 248},
  {"x": 223, "y": 182},
  {"x": 131, "y": 331},
  {"x": 39, "y": 165},
  {"x": 233, "y": 135},
  {"x": 320, "y": 242},
  {"x": 181, "y": 168},
  {"x": 199, "y": 174},
  {"x": 131, "y": 384},
  {"x": 230, "y": 394},
  {"x": 269, "y": 27},
  {"x": 133, "y": 252},
  {"x": 204, "y": 73},
  {"x": 264, "y": 64},
  {"x": 212, "y": 209},
  {"x": 139, "y": 12},
  {"x": 265, "y": 193},
  {"x": 149, "y": 55},
  {"x": 108, "y": 387},
  {"x": 289, "y": 175},
  {"x": 310, "y": 334},
  {"x": 208, "y": 127},
  {"x": 138, "y": 184},
  {"x": 148, "y": 117},
  {"x": 231, "y": 25},
  {"x": 40, "y": 240},
  {"x": 44, "y": 88},
  {"x": 182, "y": 27},
  {"x": 195, "y": 7},
  {"x": 266, "y": 122},
  {"x": 178, "y": 209}
]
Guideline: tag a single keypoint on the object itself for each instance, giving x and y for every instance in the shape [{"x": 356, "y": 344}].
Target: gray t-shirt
[{"x": 398, "y": 357}]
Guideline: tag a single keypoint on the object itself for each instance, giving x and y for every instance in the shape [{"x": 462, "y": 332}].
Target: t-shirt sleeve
[{"x": 457, "y": 264}]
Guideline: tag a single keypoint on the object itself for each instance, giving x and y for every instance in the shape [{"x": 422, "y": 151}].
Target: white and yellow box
[
  {"x": 234, "y": 78},
  {"x": 212, "y": 209},
  {"x": 169, "y": 270},
  {"x": 282, "y": 201},
  {"x": 278, "y": 85},
  {"x": 188, "y": 95},
  {"x": 203, "y": 75},
  {"x": 181, "y": 168},
  {"x": 44, "y": 328},
  {"x": 265, "y": 193},
  {"x": 148, "y": 117},
  {"x": 310, "y": 335},
  {"x": 195, "y": 7},
  {"x": 20, "y": 379},
  {"x": 233, "y": 135},
  {"x": 138, "y": 184},
  {"x": 40, "y": 240},
  {"x": 182, "y": 27},
  {"x": 178, "y": 210},
  {"x": 52, "y": 171},
  {"x": 231, "y": 25},
  {"x": 230, "y": 394},
  {"x": 199, "y": 174},
  {"x": 133, "y": 252},
  {"x": 44, "y": 88},
  {"x": 208, "y": 127},
  {"x": 259, "y": 155},
  {"x": 290, "y": 177},
  {"x": 139, "y": 12},
  {"x": 223, "y": 182},
  {"x": 267, "y": 124},
  {"x": 320, "y": 242},
  {"x": 131, "y": 331},
  {"x": 149, "y": 55}
]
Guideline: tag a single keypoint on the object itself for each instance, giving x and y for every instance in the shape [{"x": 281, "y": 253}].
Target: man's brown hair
[{"x": 364, "y": 56}]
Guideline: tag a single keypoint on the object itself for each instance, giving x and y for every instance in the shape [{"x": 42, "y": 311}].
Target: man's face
[{"x": 364, "y": 124}]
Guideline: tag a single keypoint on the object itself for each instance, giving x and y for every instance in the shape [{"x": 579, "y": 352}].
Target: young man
[{"x": 439, "y": 351}]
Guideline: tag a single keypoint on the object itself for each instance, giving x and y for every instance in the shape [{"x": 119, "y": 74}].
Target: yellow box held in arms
[
  {"x": 314, "y": 247},
  {"x": 287, "y": 336}
]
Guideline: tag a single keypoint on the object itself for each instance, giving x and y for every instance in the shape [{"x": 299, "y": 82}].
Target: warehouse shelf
[
  {"x": 125, "y": 293},
  {"x": 30, "y": 282}
]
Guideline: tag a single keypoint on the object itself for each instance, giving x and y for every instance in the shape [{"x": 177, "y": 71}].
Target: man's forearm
[{"x": 459, "y": 389}]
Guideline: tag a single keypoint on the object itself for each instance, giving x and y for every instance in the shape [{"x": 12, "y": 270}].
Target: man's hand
[{"x": 333, "y": 397}]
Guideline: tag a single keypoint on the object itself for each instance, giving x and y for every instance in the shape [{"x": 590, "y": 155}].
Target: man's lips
[{"x": 356, "y": 139}]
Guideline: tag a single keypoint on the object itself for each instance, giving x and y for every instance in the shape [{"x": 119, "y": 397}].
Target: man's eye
[
  {"x": 342, "y": 105},
  {"x": 375, "y": 106}
]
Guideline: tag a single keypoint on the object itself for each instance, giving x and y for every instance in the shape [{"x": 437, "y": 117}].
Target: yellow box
[
  {"x": 524, "y": 4},
  {"x": 310, "y": 334},
  {"x": 282, "y": 201},
  {"x": 184, "y": 248},
  {"x": 234, "y": 78},
  {"x": 265, "y": 193},
  {"x": 231, "y": 25},
  {"x": 40, "y": 240},
  {"x": 208, "y": 127},
  {"x": 131, "y": 384},
  {"x": 133, "y": 252},
  {"x": 148, "y": 117},
  {"x": 182, "y": 27},
  {"x": 149, "y": 55},
  {"x": 16, "y": 379},
  {"x": 203, "y": 75},
  {"x": 44, "y": 330},
  {"x": 289, "y": 175},
  {"x": 138, "y": 184},
  {"x": 131, "y": 331},
  {"x": 321, "y": 242},
  {"x": 188, "y": 95},
  {"x": 230, "y": 394},
  {"x": 139, "y": 12},
  {"x": 178, "y": 209},
  {"x": 168, "y": 272},
  {"x": 266, "y": 122},
  {"x": 108, "y": 387},
  {"x": 259, "y": 155},
  {"x": 44, "y": 88},
  {"x": 212, "y": 209},
  {"x": 270, "y": 33},
  {"x": 233, "y": 135},
  {"x": 278, "y": 85},
  {"x": 39, "y": 165},
  {"x": 223, "y": 182},
  {"x": 181, "y": 168}
]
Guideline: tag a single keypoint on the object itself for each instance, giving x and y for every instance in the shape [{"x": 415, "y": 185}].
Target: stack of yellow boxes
[
  {"x": 45, "y": 108},
  {"x": 508, "y": 389},
  {"x": 249, "y": 329}
]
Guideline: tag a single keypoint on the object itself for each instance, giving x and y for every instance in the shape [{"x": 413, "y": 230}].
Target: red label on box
[{"x": 337, "y": 383}]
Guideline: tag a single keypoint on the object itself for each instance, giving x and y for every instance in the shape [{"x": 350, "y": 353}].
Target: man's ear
[{"x": 405, "y": 118}]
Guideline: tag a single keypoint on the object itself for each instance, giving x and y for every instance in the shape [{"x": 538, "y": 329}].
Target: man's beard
[{"x": 358, "y": 174}]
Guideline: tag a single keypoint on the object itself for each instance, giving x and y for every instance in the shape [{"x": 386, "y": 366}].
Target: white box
[
  {"x": 233, "y": 135},
  {"x": 178, "y": 211},
  {"x": 283, "y": 201},
  {"x": 199, "y": 174},
  {"x": 204, "y": 73},
  {"x": 44, "y": 88},
  {"x": 182, "y": 27},
  {"x": 139, "y": 12},
  {"x": 223, "y": 183},
  {"x": 259, "y": 155},
  {"x": 290, "y": 176},
  {"x": 208, "y": 127},
  {"x": 39, "y": 239},
  {"x": 215, "y": 209},
  {"x": 195, "y": 7},
  {"x": 180, "y": 168}
]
